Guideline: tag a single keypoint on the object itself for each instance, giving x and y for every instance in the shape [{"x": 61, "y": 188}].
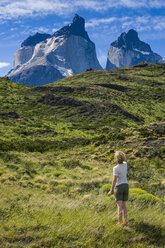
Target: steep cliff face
[
  {"x": 129, "y": 50},
  {"x": 44, "y": 59}
]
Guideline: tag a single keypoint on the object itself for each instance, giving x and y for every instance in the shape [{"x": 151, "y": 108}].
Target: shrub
[
  {"x": 53, "y": 182},
  {"x": 39, "y": 179},
  {"x": 8, "y": 157},
  {"x": 89, "y": 185},
  {"x": 67, "y": 182},
  {"x": 44, "y": 187},
  {"x": 57, "y": 173},
  {"x": 71, "y": 164},
  {"x": 100, "y": 207},
  {"x": 7, "y": 177},
  {"x": 12, "y": 166},
  {"x": 162, "y": 149},
  {"x": 144, "y": 132},
  {"x": 86, "y": 166},
  {"x": 28, "y": 167},
  {"x": 26, "y": 183},
  {"x": 143, "y": 197},
  {"x": 106, "y": 188},
  {"x": 25, "y": 177},
  {"x": 61, "y": 188},
  {"x": 117, "y": 135}
]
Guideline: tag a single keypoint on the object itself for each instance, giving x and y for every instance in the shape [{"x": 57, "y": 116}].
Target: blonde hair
[{"x": 120, "y": 157}]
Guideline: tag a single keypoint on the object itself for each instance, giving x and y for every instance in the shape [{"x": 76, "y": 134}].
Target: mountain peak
[
  {"x": 67, "y": 52},
  {"x": 79, "y": 20},
  {"x": 129, "y": 50},
  {"x": 77, "y": 27},
  {"x": 132, "y": 35},
  {"x": 131, "y": 41},
  {"x": 35, "y": 39}
]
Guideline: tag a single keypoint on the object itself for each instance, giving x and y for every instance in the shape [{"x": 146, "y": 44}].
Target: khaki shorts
[{"x": 121, "y": 192}]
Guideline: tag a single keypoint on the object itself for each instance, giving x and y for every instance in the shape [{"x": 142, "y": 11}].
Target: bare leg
[
  {"x": 119, "y": 205},
  {"x": 124, "y": 208}
]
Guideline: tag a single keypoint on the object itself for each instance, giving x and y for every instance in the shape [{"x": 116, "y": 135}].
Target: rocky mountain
[
  {"x": 129, "y": 50},
  {"x": 33, "y": 40},
  {"x": 45, "y": 58}
]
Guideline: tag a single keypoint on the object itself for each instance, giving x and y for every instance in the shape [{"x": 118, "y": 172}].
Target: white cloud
[
  {"x": 109, "y": 4},
  {"x": 40, "y": 30},
  {"x": 157, "y": 4},
  {"x": 136, "y": 4},
  {"x": 131, "y": 4},
  {"x": 146, "y": 23},
  {"x": 117, "y": 24},
  {"x": 4, "y": 64},
  {"x": 54, "y": 30},
  {"x": 96, "y": 22},
  {"x": 12, "y": 9},
  {"x": 13, "y": 29},
  {"x": 92, "y": 5}
]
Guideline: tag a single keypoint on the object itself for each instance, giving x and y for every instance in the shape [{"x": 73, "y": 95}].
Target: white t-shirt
[{"x": 120, "y": 170}]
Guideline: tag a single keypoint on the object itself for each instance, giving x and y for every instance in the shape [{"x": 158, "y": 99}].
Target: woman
[{"x": 120, "y": 186}]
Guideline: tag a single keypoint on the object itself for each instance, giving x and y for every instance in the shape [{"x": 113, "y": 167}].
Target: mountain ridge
[
  {"x": 44, "y": 59},
  {"x": 35, "y": 39},
  {"x": 129, "y": 50},
  {"x": 77, "y": 27}
]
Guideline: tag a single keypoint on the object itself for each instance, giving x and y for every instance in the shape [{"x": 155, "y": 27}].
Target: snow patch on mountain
[{"x": 145, "y": 53}]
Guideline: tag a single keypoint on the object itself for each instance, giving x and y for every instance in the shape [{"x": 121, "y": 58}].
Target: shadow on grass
[{"x": 154, "y": 235}]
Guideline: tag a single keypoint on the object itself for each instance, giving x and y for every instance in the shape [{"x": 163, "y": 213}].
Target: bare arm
[{"x": 113, "y": 185}]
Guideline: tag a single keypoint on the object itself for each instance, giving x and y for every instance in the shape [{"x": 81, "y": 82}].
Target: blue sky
[{"x": 105, "y": 21}]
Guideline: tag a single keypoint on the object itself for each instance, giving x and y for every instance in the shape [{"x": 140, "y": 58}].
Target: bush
[
  {"x": 89, "y": 185},
  {"x": 86, "y": 166},
  {"x": 106, "y": 188},
  {"x": 61, "y": 188},
  {"x": 162, "y": 149},
  {"x": 8, "y": 177},
  {"x": 53, "y": 182},
  {"x": 28, "y": 168},
  {"x": 71, "y": 164},
  {"x": 25, "y": 177},
  {"x": 39, "y": 179},
  {"x": 58, "y": 173},
  {"x": 143, "y": 197}
]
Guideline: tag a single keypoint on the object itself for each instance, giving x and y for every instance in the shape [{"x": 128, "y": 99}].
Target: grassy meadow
[{"x": 57, "y": 145}]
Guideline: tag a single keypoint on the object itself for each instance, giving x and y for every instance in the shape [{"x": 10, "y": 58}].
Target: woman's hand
[
  {"x": 109, "y": 193},
  {"x": 113, "y": 185}
]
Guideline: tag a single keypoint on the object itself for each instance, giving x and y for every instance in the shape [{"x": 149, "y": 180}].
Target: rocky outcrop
[
  {"x": 44, "y": 58},
  {"x": 35, "y": 39},
  {"x": 129, "y": 50},
  {"x": 76, "y": 28}
]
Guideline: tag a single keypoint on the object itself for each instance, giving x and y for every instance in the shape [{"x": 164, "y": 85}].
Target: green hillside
[{"x": 57, "y": 146}]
